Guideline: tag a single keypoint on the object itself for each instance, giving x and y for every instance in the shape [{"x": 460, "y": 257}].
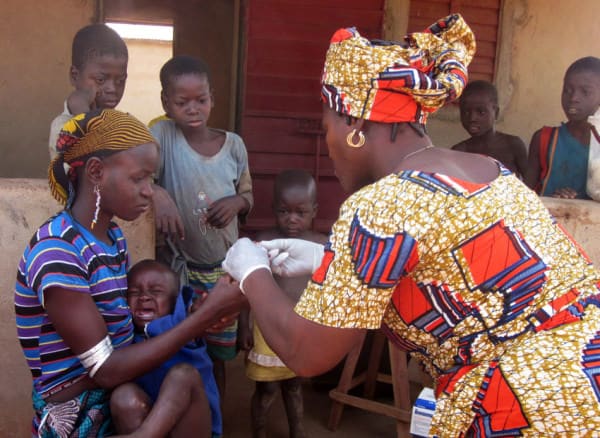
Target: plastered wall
[
  {"x": 582, "y": 220},
  {"x": 35, "y": 48},
  {"x": 24, "y": 205},
  {"x": 142, "y": 92},
  {"x": 539, "y": 39}
]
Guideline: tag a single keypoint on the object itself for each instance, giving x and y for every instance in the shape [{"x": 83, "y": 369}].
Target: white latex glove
[
  {"x": 293, "y": 257},
  {"x": 243, "y": 258}
]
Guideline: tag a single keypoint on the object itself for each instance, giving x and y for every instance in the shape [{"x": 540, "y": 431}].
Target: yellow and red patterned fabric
[
  {"x": 389, "y": 82},
  {"x": 481, "y": 284}
]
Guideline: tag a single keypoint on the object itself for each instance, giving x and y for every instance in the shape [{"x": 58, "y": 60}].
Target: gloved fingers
[
  {"x": 278, "y": 265},
  {"x": 243, "y": 257},
  {"x": 275, "y": 244},
  {"x": 279, "y": 259},
  {"x": 273, "y": 253}
]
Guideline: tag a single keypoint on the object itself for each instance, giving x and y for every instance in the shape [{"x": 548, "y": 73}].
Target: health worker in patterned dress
[
  {"x": 72, "y": 317},
  {"x": 447, "y": 252}
]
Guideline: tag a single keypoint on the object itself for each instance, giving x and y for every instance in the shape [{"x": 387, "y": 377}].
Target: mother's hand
[{"x": 223, "y": 303}]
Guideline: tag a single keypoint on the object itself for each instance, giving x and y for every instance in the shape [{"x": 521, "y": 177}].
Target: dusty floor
[{"x": 355, "y": 423}]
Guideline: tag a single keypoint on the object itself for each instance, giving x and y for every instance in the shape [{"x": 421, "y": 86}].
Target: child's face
[
  {"x": 188, "y": 101},
  {"x": 151, "y": 293},
  {"x": 294, "y": 211},
  {"x": 106, "y": 74},
  {"x": 580, "y": 95},
  {"x": 478, "y": 114}
]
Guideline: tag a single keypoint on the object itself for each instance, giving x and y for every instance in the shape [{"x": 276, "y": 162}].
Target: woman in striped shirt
[{"x": 73, "y": 321}]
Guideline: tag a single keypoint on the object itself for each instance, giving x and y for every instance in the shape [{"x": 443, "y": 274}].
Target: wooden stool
[{"x": 401, "y": 410}]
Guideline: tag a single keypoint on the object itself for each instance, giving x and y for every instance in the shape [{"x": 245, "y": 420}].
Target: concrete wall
[
  {"x": 539, "y": 39},
  {"x": 208, "y": 29},
  {"x": 35, "y": 48},
  {"x": 582, "y": 220},
  {"x": 24, "y": 205},
  {"x": 142, "y": 92}
]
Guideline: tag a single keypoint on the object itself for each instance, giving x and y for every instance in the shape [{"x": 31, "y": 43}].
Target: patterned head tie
[
  {"x": 98, "y": 132},
  {"x": 388, "y": 82}
]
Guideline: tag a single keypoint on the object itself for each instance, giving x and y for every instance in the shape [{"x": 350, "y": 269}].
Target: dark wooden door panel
[{"x": 285, "y": 48}]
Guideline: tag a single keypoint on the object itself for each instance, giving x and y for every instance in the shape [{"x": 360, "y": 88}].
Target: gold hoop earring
[
  {"x": 361, "y": 139},
  {"x": 98, "y": 196}
]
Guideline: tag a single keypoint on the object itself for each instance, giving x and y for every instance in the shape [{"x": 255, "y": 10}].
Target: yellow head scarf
[
  {"x": 85, "y": 135},
  {"x": 388, "y": 82}
]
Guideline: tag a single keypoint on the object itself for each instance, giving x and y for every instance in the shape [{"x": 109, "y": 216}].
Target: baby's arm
[{"x": 185, "y": 305}]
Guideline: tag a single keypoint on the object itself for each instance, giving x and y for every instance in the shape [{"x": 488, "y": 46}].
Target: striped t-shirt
[{"x": 64, "y": 254}]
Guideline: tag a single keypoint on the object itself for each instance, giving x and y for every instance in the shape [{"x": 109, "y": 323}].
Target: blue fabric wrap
[{"x": 193, "y": 353}]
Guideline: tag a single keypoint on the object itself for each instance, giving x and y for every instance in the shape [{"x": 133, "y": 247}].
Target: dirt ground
[{"x": 355, "y": 422}]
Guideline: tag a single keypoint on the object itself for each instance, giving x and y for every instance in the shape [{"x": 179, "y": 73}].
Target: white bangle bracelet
[{"x": 95, "y": 357}]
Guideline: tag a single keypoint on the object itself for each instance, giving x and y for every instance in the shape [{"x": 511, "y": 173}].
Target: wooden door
[{"x": 283, "y": 48}]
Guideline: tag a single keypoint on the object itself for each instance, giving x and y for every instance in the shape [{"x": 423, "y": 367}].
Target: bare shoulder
[{"x": 512, "y": 141}]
